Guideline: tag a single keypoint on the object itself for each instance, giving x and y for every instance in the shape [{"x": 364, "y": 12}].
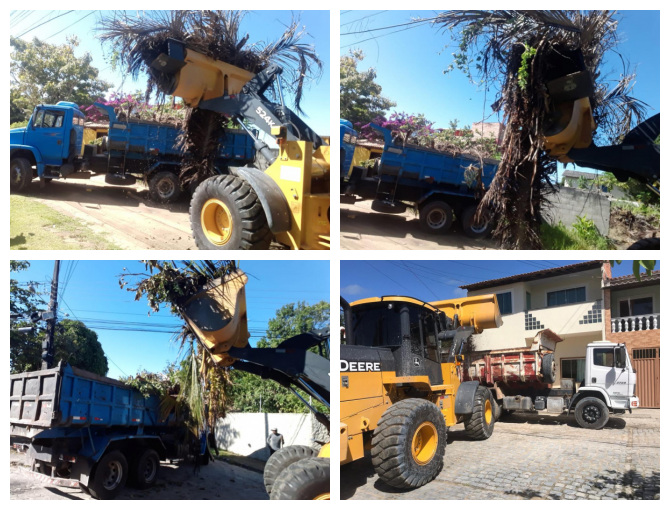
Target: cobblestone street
[{"x": 529, "y": 457}]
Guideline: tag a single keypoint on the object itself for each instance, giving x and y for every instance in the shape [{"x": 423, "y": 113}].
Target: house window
[
  {"x": 573, "y": 369},
  {"x": 505, "y": 302},
  {"x": 566, "y": 297},
  {"x": 633, "y": 307}
]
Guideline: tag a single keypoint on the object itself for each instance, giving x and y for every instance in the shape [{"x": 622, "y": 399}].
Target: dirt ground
[
  {"x": 124, "y": 214},
  {"x": 363, "y": 229},
  {"x": 218, "y": 480}
]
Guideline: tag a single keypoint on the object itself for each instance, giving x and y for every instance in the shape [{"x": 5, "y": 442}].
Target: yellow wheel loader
[
  {"x": 400, "y": 389},
  {"x": 217, "y": 314},
  {"x": 247, "y": 208}
]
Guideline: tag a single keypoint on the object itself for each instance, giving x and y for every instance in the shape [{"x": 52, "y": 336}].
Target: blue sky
[
  {"x": 410, "y": 63},
  {"x": 430, "y": 280},
  {"x": 92, "y": 294},
  {"x": 260, "y": 25}
]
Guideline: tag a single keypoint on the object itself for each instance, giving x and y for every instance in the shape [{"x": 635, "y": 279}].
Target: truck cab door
[
  {"x": 608, "y": 371},
  {"x": 47, "y": 133}
]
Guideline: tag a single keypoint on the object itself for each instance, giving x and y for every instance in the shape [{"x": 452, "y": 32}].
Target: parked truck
[
  {"x": 524, "y": 379},
  {"x": 50, "y": 147},
  {"x": 438, "y": 184},
  {"x": 85, "y": 430}
]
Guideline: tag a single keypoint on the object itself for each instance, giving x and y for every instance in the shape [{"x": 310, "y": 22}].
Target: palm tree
[{"x": 516, "y": 53}]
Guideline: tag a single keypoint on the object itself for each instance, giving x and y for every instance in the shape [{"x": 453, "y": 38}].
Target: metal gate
[{"x": 647, "y": 365}]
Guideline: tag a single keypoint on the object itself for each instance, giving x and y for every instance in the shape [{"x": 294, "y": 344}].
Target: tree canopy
[
  {"x": 47, "y": 73},
  {"x": 361, "y": 97}
]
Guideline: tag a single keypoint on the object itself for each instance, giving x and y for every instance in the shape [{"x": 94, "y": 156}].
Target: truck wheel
[
  {"x": 304, "y": 479},
  {"x": 145, "y": 470},
  {"x": 110, "y": 476},
  {"x": 436, "y": 217},
  {"x": 20, "y": 174},
  {"x": 282, "y": 459},
  {"x": 164, "y": 187},
  {"x": 472, "y": 229},
  {"x": 479, "y": 425},
  {"x": 226, "y": 214},
  {"x": 650, "y": 243},
  {"x": 548, "y": 368},
  {"x": 408, "y": 444},
  {"x": 497, "y": 410},
  {"x": 591, "y": 413}
]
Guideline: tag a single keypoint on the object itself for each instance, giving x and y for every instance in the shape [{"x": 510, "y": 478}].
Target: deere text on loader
[
  {"x": 400, "y": 388},
  {"x": 247, "y": 208},
  {"x": 217, "y": 314}
]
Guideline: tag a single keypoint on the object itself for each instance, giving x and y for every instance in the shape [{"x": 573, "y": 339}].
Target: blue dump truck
[
  {"x": 85, "y": 430},
  {"x": 50, "y": 147},
  {"x": 440, "y": 185}
]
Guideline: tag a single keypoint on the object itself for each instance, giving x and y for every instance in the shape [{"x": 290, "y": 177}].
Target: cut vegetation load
[
  {"x": 547, "y": 67},
  {"x": 201, "y": 57}
]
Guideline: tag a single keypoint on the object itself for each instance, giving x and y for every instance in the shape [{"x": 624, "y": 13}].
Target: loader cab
[{"x": 408, "y": 330}]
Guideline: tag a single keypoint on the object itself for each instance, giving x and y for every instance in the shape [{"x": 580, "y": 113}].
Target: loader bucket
[
  {"x": 480, "y": 312},
  {"x": 218, "y": 315}
]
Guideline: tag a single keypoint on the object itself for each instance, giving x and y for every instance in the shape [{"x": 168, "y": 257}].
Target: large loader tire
[
  {"x": 650, "y": 243},
  {"x": 408, "y": 444},
  {"x": 20, "y": 174},
  {"x": 110, "y": 475},
  {"x": 226, "y": 214},
  {"x": 548, "y": 368},
  {"x": 304, "y": 479},
  {"x": 282, "y": 459},
  {"x": 591, "y": 413},
  {"x": 436, "y": 217},
  {"x": 479, "y": 425}
]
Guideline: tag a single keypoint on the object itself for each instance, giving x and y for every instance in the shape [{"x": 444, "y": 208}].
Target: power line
[
  {"x": 364, "y": 17},
  {"x": 70, "y": 25},
  {"x": 47, "y": 21},
  {"x": 378, "y": 37},
  {"x": 413, "y": 23}
]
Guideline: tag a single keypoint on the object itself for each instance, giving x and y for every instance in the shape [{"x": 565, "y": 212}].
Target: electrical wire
[
  {"x": 70, "y": 25},
  {"x": 364, "y": 17},
  {"x": 47, "y": 21}
]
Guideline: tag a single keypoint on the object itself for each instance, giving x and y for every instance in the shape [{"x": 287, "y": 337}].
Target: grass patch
[
  {"x": 583, "y": 235},
  {"x": 35, "y": 226}
]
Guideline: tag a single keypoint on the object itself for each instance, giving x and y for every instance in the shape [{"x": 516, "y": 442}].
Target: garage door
[{"x": 647, "y": 365}]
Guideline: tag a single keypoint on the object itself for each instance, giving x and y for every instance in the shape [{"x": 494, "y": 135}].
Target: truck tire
[
  {"x": 650, "y": 243},
  {"x": 497, "y": 410},
  {"x": 164, "y": 187},
  {"x": 408, "y": 444},
  {"x": 479, "y": 425},
  {"x": 475, "y": 230},
  {"x": 436, "y": 217},
  {"x": 120, "y": 179},
  {"x": 548, "y": 368},
  {"x": 145, "y": 470},
  {"x": 591, "y": 413},
  {"x": 110, "y": 476},
  {"x": 282, "y": 459},
  {"x": 20, "y": 173},
  {"x": 304, "y": 479},
  {"x": 226, "y": 214}
]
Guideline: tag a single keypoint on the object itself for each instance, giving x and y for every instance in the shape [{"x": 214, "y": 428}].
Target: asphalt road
[
  {"x": 363, "y": 229},
  {"x": 218, "y": 480},
  {"x": 540, "y": 458}
]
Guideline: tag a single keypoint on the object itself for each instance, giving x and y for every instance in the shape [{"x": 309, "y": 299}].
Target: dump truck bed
[{"x": 70, "y": 397}]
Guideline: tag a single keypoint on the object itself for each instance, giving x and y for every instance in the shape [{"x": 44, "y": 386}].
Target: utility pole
[{"x": 48, "y": 342}]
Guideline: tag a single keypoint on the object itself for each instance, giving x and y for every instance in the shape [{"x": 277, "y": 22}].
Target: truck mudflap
[
  {"x": 51, "y": 480},
  {"x": 272, "y": 199},
  {"x": 465, "y": 397}
]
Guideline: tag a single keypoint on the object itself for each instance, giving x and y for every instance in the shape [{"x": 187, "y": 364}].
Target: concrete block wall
[
  {"x": 246, "y": 433},
  {"x": 569, "y": 203}
]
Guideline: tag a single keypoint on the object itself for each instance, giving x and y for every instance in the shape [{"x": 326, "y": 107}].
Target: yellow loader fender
[{"x": 270, "y": 196}]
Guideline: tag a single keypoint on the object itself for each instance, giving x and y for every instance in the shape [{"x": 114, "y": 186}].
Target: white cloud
[{"x": 352, "y": 289}]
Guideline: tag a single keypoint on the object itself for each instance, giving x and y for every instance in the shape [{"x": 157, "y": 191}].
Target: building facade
[{"x": 581, "y": 303}]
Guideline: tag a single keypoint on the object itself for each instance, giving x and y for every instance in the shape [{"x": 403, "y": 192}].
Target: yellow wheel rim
[
  {"x": 488, "y": 411},
  {"x": 324, "y": 496},
  {"x": 216, "y": 221},
  {"x": 424, "y": 443}
]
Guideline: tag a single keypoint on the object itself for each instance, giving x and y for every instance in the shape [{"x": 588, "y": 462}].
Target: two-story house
[{"x": 581, "y": 303}]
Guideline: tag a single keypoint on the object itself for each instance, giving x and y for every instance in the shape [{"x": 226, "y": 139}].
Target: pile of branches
[
  {"x": 516, "y": 53},
  {"x": 138, "y": 41}
]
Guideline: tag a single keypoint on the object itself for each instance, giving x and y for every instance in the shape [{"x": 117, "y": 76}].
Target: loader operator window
[
  {"x": 377, "y": 326},
  {"x": 603, "y": 357},
  {"x": 430, "y": 338}
]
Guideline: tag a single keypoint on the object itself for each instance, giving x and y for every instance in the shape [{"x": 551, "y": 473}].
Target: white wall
[{"x": 246, "y": 433}]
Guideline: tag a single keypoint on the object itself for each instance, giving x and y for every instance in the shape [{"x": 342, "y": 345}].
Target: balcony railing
[{"x": 636, "y": 323}]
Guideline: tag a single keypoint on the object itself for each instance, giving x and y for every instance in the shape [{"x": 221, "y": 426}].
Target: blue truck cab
[
  {"x": 348, "y": 139},
  {"x": 440, "y": 185},
  {"x": 51, "y": 142}
]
